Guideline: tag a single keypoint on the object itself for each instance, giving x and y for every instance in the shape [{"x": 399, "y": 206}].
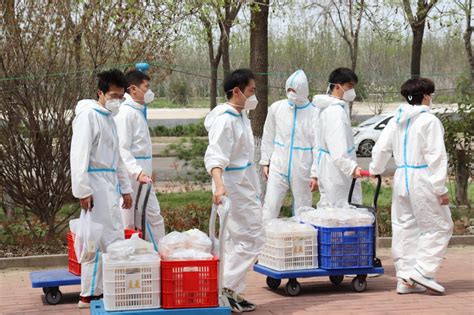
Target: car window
[
  {"x": 383, "y": 123},
  {"x": 371, "y": 121}
]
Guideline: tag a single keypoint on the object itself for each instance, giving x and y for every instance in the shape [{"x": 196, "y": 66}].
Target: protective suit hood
[
  {"x": 322, "y": 101},
  {"x": 83, "y": 105},
  {"x": 407, "y": 111},
  {"x": 298, "y": 82},
  {"x": 216, "y": 112}
]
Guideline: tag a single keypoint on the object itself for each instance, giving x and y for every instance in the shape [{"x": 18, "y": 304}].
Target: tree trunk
[
  {"x": 418, "y": 31},
  {"x": 467, "y": 39},
  {"x": 259, "y": 63},
  {"x": 213, "y": 88},
  {"x": 225, "y": 51},
  {"x": 462, "y": 178}
]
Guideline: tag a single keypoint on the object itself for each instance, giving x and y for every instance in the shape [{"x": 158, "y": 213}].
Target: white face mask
[
  {"x": 148, "y": 97},
  {"x": 250, "y": 102},
  {"x": 113, "y": 106},
  {"x": 349, "y": 95},
  {"x": 296, "y": 99}
]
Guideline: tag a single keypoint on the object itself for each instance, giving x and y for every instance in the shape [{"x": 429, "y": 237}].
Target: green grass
[{"x": 178, "y": 200}]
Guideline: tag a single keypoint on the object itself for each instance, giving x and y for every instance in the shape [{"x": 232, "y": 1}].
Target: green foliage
[
  {"x": 459, "y": 142},
  {"x": 192, "y": 130},
  {"x": 17, "y": 232},
  {"x": 191, "y": 151},
  {"x": 179, "y": 92}
]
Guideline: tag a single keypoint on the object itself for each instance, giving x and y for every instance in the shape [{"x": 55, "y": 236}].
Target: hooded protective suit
[
  {"x": 288, "y": 147},
  {"x": 421, "y": 226},
  {"x": 97, "y": 169},
  {"x": 231, "y": 148},
  {"x": 336, "y": 160},
  {"x": 136, "y": 152}
]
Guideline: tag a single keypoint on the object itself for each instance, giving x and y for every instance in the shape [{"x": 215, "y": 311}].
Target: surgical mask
[
  {"x": 430, "y": 105},
  {"x": 250, "y": 102},
  {"x": 349, "y": 95},
  {"x": 113, "y": 105},
  {"x": 148, "y": 97},
  {"x": 296, "y": 99}
]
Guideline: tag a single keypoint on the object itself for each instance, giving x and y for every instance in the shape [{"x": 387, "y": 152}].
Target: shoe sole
[{"x": 427, "y": 286}]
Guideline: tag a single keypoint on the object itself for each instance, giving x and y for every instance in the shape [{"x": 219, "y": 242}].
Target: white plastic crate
[
  {"x": 131, "y": 285},
  {"x": 290, "y": 250}
]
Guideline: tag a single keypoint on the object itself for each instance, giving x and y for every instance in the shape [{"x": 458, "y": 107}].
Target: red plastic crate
[
  {"x": 130, "y": 232},
  {"x": 74, "y": 266},
  {"x": 186, "y": 284}
]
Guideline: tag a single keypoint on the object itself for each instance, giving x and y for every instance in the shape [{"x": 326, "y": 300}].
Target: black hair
[
  {"x": 238, "y": 78},
  {"x": 111, "y": 77},
  {"x": 136, "y": 77},
  {"x": 414, "y": 89},
  {"x": 342, "y": 76}
]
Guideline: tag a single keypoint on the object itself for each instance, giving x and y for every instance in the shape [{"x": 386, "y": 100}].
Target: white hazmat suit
[
  {"x": 231, "y": 148},
  {"x": 136, "y": 152},
  {"x": 336, "y": 160},
  {"x": 288, "y": 147},
  {"x": 97, "y": 169},
  {"x": 421, "y": 226}
]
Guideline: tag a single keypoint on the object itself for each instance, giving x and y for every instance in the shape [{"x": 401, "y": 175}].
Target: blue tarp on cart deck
[
  {"x": 53, "y": 278},
  {"x": 97, "y": 308},
  {"x": 315, "y": 272}
]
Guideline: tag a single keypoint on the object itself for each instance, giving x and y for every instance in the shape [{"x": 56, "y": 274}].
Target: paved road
[{"x": 318, "y": 295}]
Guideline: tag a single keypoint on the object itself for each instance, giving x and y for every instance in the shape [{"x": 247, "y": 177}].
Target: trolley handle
[
  {"x": 365, "y": 173},
  {"x": 145, "y": 203},
  {"x": 223, "y": 212}
]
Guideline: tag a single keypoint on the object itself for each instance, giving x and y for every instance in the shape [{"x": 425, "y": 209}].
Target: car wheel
[{"x": 365, "y": 148}]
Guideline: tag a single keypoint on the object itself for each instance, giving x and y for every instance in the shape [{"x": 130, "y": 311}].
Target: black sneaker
[
  {"x": 234, "y": 306},
  {"x": 247, "y": 306}
]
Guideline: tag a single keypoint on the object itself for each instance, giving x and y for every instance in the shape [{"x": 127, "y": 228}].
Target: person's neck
[
  {"x": 142, "y": 102},
  {"x": 100, "y": 103},
  {"x": 334, "y": 94},
  {"x": 236, "y": 106}
]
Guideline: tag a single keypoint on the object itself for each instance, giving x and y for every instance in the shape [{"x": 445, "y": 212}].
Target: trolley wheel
[
  {"x": 273, "y": 283},
  {"x": 47, "y": 289},
  {"x": 293, "y": 287},
  {"x": 336, "y": 280},
  {"x": 53, "y": 297},
  {"x": 359, "y": 284}
]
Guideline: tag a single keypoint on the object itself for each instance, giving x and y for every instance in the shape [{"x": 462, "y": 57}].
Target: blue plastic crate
[{"x": 345, "y": 247}]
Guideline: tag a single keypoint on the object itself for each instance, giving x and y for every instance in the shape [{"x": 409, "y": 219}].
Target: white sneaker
[
  {"x": 405, "y": 288},
  {"x": 83, "y": 305},
  {"x": 428, "y": 283}
]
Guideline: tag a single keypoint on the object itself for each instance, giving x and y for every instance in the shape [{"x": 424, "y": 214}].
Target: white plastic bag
[
  {"x": 188, "y": 254},
  {"x": 172, "y": 242},
  {"x": 87, "y": 240},
  {"x": 199, "y": 241},
  {"x": 124, "y": 249}
]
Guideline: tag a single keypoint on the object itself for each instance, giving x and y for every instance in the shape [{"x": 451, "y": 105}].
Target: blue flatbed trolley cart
[
  {"x": 223, "y": 308},
  {"x": 336, "y": 276},
  {"x": 51, "y": 280}
]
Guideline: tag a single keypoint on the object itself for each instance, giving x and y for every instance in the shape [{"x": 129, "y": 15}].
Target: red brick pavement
[{"x": 318, "y": 295}]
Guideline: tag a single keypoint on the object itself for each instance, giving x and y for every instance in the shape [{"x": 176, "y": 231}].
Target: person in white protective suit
[
  {"x": 98, "y": 174},
  {"x": 336, "y": 160},
  {"x": 421, "y": 218},
  {"x": 288, "y": 149},
  {"x": 229, "y": 159},
  {"x": 136, "y": 152}
]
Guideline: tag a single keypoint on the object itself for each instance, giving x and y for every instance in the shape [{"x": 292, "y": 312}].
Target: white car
[{"x": 368, "y": 132}]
